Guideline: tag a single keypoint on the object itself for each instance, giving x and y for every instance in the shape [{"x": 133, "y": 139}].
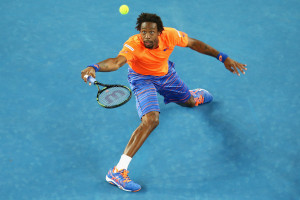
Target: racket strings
[{"x": 113, "y": 96}]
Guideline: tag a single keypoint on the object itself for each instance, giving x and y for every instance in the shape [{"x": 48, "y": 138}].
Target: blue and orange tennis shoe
[
  {"x": 201, "y": 96},
  {"x": 121, "y": 179}
]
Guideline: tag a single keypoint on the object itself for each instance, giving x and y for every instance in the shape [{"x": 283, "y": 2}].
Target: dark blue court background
[{"x": 57, "y": 143}]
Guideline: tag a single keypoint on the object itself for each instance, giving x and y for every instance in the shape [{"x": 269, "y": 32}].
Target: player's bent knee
[
  {"x": 191, "y": 102},
  {"x": 151, "y": 119},
  {"x": 188, "y": 103}
]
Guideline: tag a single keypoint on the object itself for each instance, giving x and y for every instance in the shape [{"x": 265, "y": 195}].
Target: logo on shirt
[
  {"x": 166, "y": 49},
  {"x": 129, "y": 47},
  {"x": 178, "y": 33}
]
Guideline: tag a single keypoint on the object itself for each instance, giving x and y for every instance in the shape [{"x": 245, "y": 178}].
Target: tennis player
[{"x": 150, "y": 72}]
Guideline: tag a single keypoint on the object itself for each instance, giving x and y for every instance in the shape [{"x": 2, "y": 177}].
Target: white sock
[{"x": 123, "y": 163}]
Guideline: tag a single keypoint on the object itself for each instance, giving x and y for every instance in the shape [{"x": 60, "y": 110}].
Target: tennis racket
[{"x": 111, "y": 96}]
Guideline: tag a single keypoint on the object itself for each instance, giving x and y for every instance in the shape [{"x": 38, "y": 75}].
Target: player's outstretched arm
[
  {"x": 203, "y": 48},
  {"x": 112, "y": 64},
  {"x": 108, "y": 65}
]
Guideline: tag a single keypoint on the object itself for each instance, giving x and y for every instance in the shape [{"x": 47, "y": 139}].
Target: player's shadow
[{"x": 234, "y": 138}]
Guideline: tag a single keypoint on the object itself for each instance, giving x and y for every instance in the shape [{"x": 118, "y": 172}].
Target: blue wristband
[
  {"x": 222, "y": 57},
  {"x": 96, "y": 67}
]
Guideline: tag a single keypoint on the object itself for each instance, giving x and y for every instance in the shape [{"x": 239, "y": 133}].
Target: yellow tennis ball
[{"x": 124, "y": 9}]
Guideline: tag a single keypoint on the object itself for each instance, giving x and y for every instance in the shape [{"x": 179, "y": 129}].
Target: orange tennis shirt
[{"x": 153, "y": 61}]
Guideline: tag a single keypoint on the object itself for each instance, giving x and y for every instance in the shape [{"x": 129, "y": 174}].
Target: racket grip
[{"x": 91, "y": 79}]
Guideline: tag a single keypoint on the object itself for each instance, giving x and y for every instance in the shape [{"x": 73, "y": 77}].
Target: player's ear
[{"x": 160, "y": 32}]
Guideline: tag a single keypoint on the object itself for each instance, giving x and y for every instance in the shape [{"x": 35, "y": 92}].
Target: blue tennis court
[{"x": 57, "y": 143}]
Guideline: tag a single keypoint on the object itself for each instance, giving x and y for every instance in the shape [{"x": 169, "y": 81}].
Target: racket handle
[{"x": 90, "y": 79}]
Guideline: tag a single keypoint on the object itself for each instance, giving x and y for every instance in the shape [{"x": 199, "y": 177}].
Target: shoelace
[
  {"x": 198, "y": 100},
  {"x": 124, "y": 174}
]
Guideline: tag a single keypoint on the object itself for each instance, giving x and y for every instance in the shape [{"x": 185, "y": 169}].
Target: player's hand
[
  {"x": 234, "y": 66},
  {"x": 89, "y": 71}
]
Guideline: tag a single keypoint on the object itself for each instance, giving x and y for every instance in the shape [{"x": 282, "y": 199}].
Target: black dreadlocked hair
[{"x": 148, "y": 17}]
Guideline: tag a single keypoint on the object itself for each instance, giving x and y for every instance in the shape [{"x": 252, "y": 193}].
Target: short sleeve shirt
[{"x": 153, "y": 61}]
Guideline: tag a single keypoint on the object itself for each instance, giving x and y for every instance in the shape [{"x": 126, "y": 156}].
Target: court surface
[{"x": 58, "y": 144}]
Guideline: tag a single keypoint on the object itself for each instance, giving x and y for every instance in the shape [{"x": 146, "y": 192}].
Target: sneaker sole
[{"x": 119, "y": 186}]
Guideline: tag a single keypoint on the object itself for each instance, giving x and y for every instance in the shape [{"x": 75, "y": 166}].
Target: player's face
[{"x": 149, "y": 34}]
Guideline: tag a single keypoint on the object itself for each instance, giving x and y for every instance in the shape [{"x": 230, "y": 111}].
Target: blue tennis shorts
[{"x": 146, "y": 87}]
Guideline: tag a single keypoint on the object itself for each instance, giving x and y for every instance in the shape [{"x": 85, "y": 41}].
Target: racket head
[{"x": 113, "y": 96}]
